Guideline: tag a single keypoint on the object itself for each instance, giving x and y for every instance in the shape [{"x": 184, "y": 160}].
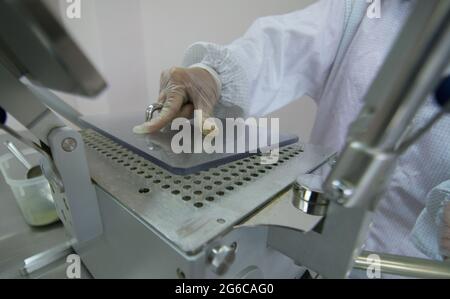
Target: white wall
[
  {"x": 132, "y": 41},
  {"x": 170, "y": 26}
]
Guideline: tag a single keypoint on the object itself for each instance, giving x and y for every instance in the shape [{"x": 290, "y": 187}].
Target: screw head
[
  {"x": 69, "y": 145},
  {"x": 222, "y": 257},
  {"x": 343, "y": 191}
]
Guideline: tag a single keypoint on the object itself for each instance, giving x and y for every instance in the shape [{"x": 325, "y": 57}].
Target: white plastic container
[{"x": 33, "y": 196}]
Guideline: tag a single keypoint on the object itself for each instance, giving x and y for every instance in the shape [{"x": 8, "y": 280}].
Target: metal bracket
[
  {"x": 46, "y": 258},
  {"x": 330, "y": 252},
  {"x": 282, "y": 213},
  {"x": 296, "y": 234},
  {"x": 77, "y": 205}
]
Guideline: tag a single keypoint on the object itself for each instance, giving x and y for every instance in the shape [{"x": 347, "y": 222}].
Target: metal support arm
[{"x": 411, "y": 72}]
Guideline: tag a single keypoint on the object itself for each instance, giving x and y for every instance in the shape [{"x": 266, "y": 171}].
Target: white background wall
[{"x": 132, "y": 41}]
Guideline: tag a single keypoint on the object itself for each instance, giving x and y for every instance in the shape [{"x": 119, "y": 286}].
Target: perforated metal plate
[
  {"x": 157, "y": 147},
  {"x": 192, "y": 210}
]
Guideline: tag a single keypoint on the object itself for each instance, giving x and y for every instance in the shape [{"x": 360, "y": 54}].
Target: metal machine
[{"x": 129, "y": 217}]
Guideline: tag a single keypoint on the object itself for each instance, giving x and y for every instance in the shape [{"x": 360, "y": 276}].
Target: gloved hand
[
  {"x": 182, "y": 91},
  {"x": 445, "y": 235}
]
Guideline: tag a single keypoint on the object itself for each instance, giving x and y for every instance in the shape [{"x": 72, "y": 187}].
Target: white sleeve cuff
[
  {"x": 213, "y": 73},
  {"x": 221, "y": 62}
]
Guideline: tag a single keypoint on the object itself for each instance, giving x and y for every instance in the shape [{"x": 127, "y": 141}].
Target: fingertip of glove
[
  {"x": 209, "y": 127},
  {"x": 142, "y": 129}
]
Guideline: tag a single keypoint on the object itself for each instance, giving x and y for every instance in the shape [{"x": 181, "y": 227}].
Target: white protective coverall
[{"x": 282, "y": 58}]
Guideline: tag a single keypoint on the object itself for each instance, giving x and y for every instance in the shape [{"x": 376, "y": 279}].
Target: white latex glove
[{"x": 182, "y": 91}]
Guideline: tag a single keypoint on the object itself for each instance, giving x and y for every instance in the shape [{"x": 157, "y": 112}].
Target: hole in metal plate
[
  {"x": 198, "y": 205},
  {"x": 144, "y": 190},
  {"x": 213, "y": 183}
]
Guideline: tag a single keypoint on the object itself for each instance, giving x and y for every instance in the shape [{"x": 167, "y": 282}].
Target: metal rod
[
  {"x": 25, "y": 141},
  {"x": 411, "y": 72},
  {"x": 424, "y": 52},
  {"x": 405, "y": 266},
  {"x": 18, "y": 154}
]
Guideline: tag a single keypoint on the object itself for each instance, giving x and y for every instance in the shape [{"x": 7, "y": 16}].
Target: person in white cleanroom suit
[{"x": 332, "y": 52}]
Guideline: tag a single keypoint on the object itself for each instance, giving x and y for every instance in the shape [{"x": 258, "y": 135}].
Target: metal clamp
[
  {"x": 309, "y": 201},
  {"x": 47, "y": 164},
  {"x": 151, "y": 110}
]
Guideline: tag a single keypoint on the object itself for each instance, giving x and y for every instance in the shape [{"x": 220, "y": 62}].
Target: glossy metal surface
[
  {"x": 404, "y": 266},
  {"x": 151, "y": 110}
]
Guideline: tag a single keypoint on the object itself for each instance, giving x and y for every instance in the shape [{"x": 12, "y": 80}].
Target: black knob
[
  {"x": 443, "y": 93},
  {"x": 2, "y": 116}
]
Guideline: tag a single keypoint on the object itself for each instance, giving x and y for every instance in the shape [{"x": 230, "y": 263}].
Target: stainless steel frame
[{"x": 136, "y": 220}]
